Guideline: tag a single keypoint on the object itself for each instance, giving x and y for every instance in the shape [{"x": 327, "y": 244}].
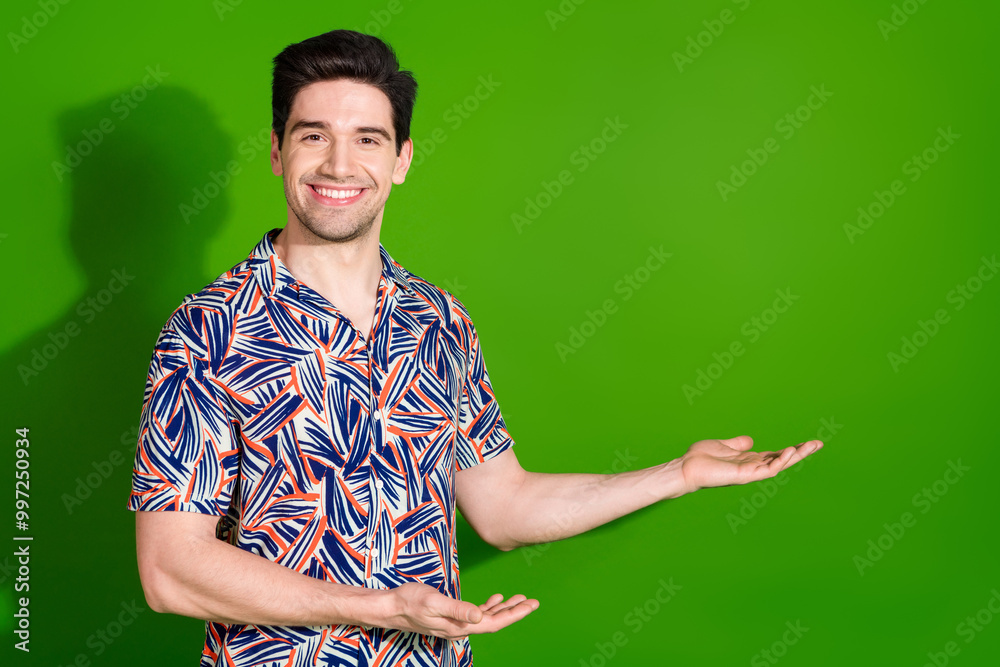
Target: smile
[{"x": 336, "y": 197}]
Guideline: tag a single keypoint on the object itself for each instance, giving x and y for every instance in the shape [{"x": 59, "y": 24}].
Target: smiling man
[{"x": 313, "y": 417}]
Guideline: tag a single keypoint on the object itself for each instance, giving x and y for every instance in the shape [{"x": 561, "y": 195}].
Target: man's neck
[{"x": 346, "y": 274}]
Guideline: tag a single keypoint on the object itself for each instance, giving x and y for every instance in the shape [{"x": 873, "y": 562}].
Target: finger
[
  {"x": 493, "y": 601},
  {"x": 793, "y": 455},
  {"x": 504, "y": 617},
  {"x": 514, "y": 599},
  {"x": 740, "y": 442},
  {"x": 768, "y": 464},
  {"x": 498, "y": 619},
  {"x": 765, "y": 458},
  {"x": 805, "y": 450}
]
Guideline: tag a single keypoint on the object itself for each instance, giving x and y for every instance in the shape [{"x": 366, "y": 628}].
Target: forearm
[
  {"x": 216, "y": 581},
  {"x": 549, "y": 507}
]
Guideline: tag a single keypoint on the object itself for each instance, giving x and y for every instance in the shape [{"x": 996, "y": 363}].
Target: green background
[{"x": 618, "y": 396}]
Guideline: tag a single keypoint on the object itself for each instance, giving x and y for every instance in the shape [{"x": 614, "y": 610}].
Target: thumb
[
  {"x": 466, "y": 612},
  {"x": 740, "y": 442}
]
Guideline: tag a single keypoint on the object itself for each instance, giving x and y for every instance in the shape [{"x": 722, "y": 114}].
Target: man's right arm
[
  {"x": 186, "y": 570},
  {"x": 186, "y": 461}
]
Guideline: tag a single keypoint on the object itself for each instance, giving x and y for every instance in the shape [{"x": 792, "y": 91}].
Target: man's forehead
[{"x": 341, "y": 102}]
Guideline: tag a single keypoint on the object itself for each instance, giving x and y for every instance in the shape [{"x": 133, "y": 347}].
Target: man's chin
[{"x": 339, "y": 230}]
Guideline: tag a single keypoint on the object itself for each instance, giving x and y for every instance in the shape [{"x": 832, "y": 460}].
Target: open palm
[{"x": 709, "y": 463}]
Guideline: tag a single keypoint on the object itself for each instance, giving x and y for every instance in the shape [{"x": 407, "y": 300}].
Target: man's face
[{"x": 338, "y": 158}]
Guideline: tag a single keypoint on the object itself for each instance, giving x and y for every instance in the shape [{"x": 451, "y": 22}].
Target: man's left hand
[{"x": 709, "y": 463}]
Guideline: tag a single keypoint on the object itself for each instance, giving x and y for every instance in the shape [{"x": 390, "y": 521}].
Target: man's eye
[
  {"x": 309, "y": 136},
  {"x": 369, "y": 139}
]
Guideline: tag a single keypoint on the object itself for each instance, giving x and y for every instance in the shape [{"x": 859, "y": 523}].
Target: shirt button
[{"x": 374, "y": 552}]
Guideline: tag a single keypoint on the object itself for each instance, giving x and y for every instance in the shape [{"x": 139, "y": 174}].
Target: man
[{"x": 332, "y": 409}]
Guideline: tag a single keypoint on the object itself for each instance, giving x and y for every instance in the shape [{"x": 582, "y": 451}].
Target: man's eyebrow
[
  {"x": 377, "y": 129},
  {"x": 321, "y": 125},
  {"x": 316, "y": 124}
]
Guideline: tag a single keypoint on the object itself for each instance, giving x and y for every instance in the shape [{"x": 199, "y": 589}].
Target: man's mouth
[{"x": 336, "y": 196}]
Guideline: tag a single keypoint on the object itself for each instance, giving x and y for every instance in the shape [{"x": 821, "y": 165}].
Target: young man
[{"x": 331, "y": 409}]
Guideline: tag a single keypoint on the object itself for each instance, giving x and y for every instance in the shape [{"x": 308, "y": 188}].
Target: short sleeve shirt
[{"x": 331, "y": 454}]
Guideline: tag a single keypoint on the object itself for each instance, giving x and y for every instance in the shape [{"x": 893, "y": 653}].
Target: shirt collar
[{"x": 272, "y": 274}]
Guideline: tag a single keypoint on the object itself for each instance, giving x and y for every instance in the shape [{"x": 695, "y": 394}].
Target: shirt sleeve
[
  {"x": 482, "y": 431},
  {"x": 186, "y": 458}
]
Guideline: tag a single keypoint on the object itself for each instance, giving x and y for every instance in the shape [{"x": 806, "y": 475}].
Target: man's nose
[{"x": 339, "y": 159}]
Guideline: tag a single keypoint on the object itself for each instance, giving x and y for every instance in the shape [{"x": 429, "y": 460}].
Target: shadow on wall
[{"x": 78, "y": 383}]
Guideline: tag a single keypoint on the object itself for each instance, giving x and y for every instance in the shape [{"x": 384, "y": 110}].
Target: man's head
[{"x": 341, "y": 110}]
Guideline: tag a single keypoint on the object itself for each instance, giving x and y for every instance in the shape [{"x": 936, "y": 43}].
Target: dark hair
[{"x": 342, "y": 54}]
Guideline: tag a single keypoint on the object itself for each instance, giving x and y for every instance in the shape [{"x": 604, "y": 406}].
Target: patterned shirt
[{"x": 339, "y": 452}]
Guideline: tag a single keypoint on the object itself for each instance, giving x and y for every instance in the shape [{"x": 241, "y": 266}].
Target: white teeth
[{"x": 338, "y": 194}]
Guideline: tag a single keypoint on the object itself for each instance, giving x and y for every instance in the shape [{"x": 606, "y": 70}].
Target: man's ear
[
  {"x": 403, "y": 161},
  {"x": 275, "y": 154}
]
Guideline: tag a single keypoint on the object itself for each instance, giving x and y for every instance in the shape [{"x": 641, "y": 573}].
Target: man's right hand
[
  {"x": 421, "y": 608},
  {"x": 185, "y": 569}
]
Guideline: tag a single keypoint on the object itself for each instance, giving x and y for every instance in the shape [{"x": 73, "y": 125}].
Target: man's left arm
[{"x": 511, "y": 507}]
